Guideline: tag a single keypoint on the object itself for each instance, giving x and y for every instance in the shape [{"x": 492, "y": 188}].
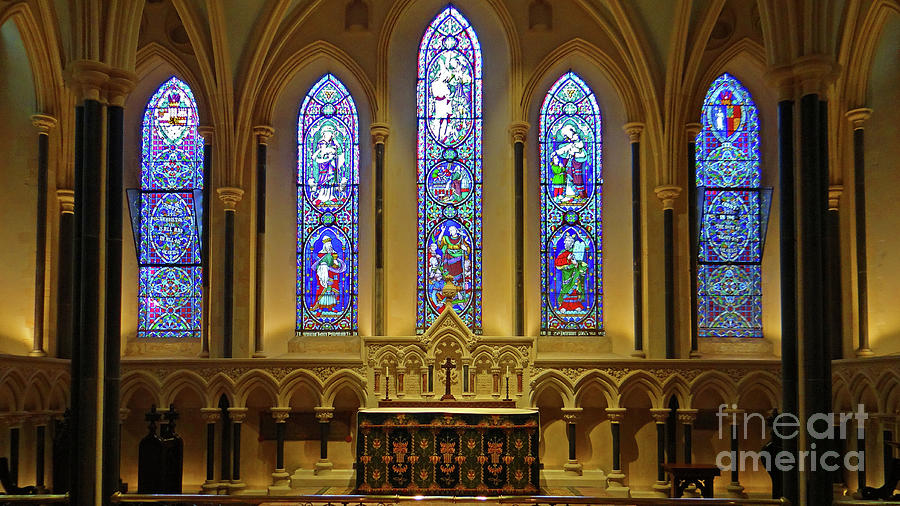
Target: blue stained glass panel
[
  {"x": 571, "y": 225},
  {"x": 729, "y": 273},
  {"x": 170, "y": 296},
  {"x": 327, "y": 210},
  {"x": 449, "y": 172}
]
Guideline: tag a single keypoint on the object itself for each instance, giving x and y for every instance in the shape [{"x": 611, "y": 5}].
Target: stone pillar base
[
  {"x": 210, "y": 487},
  {"x": 281, "y": 482},
  {"x": 236, "y": 487},
  {"x": 736, "y": 490},
  {"x": 323, "y": 466},
  {"x": 661, "y": 489},
  {"x": 573, "y": 466},
  {"x": 615, "y": 484}
]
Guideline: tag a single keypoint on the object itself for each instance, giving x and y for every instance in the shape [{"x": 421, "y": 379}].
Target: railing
[
  {"x": 34, "y": 499},
  {"x": 348, "y": 500}
]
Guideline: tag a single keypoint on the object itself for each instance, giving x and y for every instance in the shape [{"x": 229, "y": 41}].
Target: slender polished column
[
  {"x": 74, "y": 295},
  {"x": 667, "y": 195},
  {"x": 735, "y": 489},
  {"x": 687, "y": 417},
  {"x": 15, "y": 421},
  {"x": 861, "y": 450},
  {"x": 210, "y": 416},
  {"x": 40, "y": 422},
  {"x": 324, "y": 414},
  {"x": 692, "y": 130},
  {"x": 570, "y": 415},
  {"x": 66, "y": 199},
  {"x": 616, "y": 478},
  {"x": 519, "y": 132},
  {"x": 857, "y": 118},
  {"x": 887, "y": 452},
  {"x": 237, "y": 415},
  {"x": 44, "y": 124},
  {"x": 634, "y": 130},
  {"x": 263, "y": 133},
  {"x": 280, "y": 478},
  {"x": 225, "y": 455},
  {"x": 379, "y": 137},
  {"x": 230, "y": 198},
  {"x": 660, "y": 415},
  {"x": 206, "y": 132},
  {"x": 833, "y": 293}
]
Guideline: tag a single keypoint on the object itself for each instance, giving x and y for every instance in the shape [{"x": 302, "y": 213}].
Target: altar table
[
  {"x": 447, "y": 451},
  {"x": 700, "y": 475}
]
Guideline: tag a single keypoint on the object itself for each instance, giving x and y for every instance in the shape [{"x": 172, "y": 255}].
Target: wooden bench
[{"x": 699, "y": 475}]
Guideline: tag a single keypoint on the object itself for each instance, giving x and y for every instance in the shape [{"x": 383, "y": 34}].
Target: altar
[{"x": 447, "y": 451}]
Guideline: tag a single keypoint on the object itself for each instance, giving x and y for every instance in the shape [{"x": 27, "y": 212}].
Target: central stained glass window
[
  {"x": 327, "y": 210},
  {"x": 733, "y": 208},
  {"x": 170, "y": 303},
  {"x": 448, "y": 99},
  {"x": 571, "y": 229}
]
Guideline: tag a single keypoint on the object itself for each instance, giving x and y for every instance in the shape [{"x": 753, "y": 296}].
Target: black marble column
[
  {"x": 40, "y": 446},
  {"x": 634, "y": 136},
  {"x": 280, "y": 424},
  {"x": 238, "y": 415},
  {"x": 887, "y": 453},
  {"x": 43, "y": 123},
  {"x": 789, "y": 323},
  {"x": 210, "y": 416},
  {"x": 66, "y": 198},
  {"x": 519, "y": 132},
  {"x": 861, "y": 449},
  {"x": 694, "y": 231},
  {"x": 379, "y": 137},
  {"x": 75, "y": 298},
  {"x": 686, "y": 417},
  {"x": 668, "y": 194},
  {"x": 570, "y": 415},
  {"x": 735, "y": 451},
  {"x": 225, "y": 463},
  {"x": 230, "y": 197},
  {"x": 659, "y": 417},
  {"x": 833, "y": 293},
  {"x": 14, "y": 433},
  {"x": 616, "y": 476},
  {"x": 207, "y": 133},
  {"x": 115, "y": 190},
  {"x": 858, "y": 118},
  {"x": 262, "y": 135}
]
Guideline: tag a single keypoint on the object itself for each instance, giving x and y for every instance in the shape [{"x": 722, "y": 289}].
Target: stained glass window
[
  {"x": 448, "y": 99},
  {"x": 731, "y": 204},
  {"x": 571, "y": 228},
  {"x": 170, "y": 294},
  {"x": 327, "y": 210}
]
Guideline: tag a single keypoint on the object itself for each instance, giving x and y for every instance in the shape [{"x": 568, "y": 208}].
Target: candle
[{"x": 507, "y": 371}]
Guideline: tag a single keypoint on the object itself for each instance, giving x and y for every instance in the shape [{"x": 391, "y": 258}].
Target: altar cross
[{"x": 447, "y": 366}]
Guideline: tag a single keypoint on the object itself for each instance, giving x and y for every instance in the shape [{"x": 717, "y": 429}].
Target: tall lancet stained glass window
[
  {"x": 448, "y": 99},
  {"x": 731, "y": 204},
  {"x": 571, "y": 228},
  {"x": 327, "y": 210},
  {"x": 170, "y": 293}
]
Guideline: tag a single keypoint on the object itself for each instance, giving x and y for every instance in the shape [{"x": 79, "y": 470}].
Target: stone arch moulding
[
  {"x": 153, "y": 54},
  {"x": 743, "y": 47}
]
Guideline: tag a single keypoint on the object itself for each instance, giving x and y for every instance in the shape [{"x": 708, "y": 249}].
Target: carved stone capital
[
  {"x": 262, "y": 133},
  {"x": 379, "y": 132},
  {"x": 668, "y": 194},
  {"x": 87, "y": 78},
  {"x": 14, "y": 419},
  {"x": 230, "y": 196},
  {"x": 206, "y": 131},
  {"x": 119, "y": 86},
  {"x": 813, "y": 73},
  {"x": 858, "y": 116},
  {"x": 280, "y": 414},
  {"x": 834, "y": 196},
  {"x": 692, "y": 130},
  {"x": 44, "y": 123},
  {"x": 237, "y": 415},
  {"x": 518, "y": 130},
  {"x": 686, "y": 416},
  {"x": 570, "y": 415},
  {"x": 211, "y": 415},
  {"x": 66, "y": 200},
  {"x": 633, "y": 129},
  {"x": 41, "y": 418},
  {"x": 324, "y": 413},
  {"x": 781, "y": 78},
  {"x": 615, "y": 414},
  {"x": 660, "y": 415}
]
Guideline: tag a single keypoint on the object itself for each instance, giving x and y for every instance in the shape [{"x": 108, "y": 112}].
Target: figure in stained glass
[
  {"x": 327, "y": 214},
  {"x": 571, "y": 269},
  {"x": 449, "y": 179}
]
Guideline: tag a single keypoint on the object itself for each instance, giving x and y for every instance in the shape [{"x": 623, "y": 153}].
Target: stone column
[
  {"x": 519, "y": 132},
  {"x": 857, "y": 118},
  {"x": 616, "y": 478},
  {"x": 885, "y": 421},
  {"x": 570, "y": 415},
  {"x": 281, "y": 479},
  {"x": 237, "y": 415},
  {"x": 634, "y": 137},
  {"x": 401, "y": 377},
  {"x": 379, "y": 137},
  {"x": 667, "y": 195},
  {"x": 230, "y": 197},
  {"x": 735, "y": 489},
  {"x": 40, "y": 422},
  {"x": 206, "y": 132},
  {"x": 495, "y": 382},
  {"x": 14, "y": 421},
  {"x": 692, "y": 130},
  {"x": 66, "y": 199},
  {"x": 123, "y": 417},
  {"x": 686, "y": 418},
  {"x": 210, "y": 416},
  {"x": 44, "y": 124},
  {"x": 324, "y": 414},
  {"x": 660, "y": 415},
  {"x": 861, "y": 449},
  {"x": 833, "y": 293},
  {"x": 262, "y": 132}
]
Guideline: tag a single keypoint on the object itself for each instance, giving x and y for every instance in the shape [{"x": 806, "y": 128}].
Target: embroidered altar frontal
[{"x": 452, "y": 451}]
